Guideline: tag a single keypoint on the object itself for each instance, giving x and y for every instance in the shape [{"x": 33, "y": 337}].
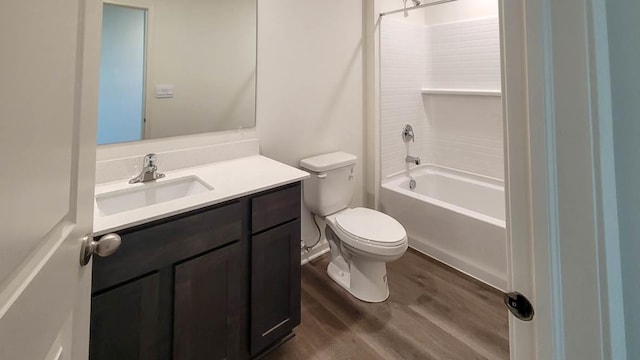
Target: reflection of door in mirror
[{"x": 122, "y": 73}]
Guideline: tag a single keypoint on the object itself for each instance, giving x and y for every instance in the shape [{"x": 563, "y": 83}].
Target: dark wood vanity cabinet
[
  {"x": 209, "y": 316},
  {"x": 275, "y": 285},
  {"x": 275, "y": 266},
  {"x": 221, "y": 282},
  {"x": 125, "y": 321}
]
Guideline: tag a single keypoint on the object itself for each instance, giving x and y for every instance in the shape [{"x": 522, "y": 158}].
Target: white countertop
[{"x": 230, "y": 179}]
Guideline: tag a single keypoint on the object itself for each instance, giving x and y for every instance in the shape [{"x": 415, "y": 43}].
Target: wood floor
[{"x": 434, "y": 312}]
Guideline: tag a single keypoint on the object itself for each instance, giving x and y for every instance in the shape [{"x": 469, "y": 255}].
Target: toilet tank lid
[{"x": 328, "y": 162}]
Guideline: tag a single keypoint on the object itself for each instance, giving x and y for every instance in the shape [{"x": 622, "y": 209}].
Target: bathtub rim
[{"x": 392, "y": 183}]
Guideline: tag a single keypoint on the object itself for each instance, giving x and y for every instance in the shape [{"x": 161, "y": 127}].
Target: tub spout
[{"x": 412, "y": 160}]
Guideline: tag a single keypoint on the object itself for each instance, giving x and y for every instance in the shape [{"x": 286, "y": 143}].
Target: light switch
[{"x": 164, "y": 91}]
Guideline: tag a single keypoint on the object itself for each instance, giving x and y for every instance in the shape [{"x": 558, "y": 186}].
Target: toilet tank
[{"x": 332, "y": 182}]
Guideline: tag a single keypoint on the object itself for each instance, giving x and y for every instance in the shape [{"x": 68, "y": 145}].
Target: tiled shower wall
[
  {"x": 403, "y": 67},
  {"x": 458, "y": 131}
]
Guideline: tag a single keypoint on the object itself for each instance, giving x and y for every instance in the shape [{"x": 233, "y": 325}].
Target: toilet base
[
  {"x": 366, "y": 279},
  {"x": 341, "y": 277}
]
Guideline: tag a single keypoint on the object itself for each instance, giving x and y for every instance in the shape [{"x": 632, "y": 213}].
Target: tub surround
[
  {"x": 230, "y": 179},
  {"x": 445, "y": 81}
]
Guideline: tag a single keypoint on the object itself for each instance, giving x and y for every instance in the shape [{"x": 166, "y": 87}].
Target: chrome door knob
[{"x": 107, "y": 245}]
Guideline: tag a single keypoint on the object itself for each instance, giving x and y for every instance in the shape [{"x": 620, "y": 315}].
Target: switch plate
[{"x": 164, "y": 91}]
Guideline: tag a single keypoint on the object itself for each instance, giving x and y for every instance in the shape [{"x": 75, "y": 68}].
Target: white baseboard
[{"x": 463, "y": 265}]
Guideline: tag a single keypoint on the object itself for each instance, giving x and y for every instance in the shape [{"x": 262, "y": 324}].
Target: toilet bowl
[{"x": 361, "y": 240}]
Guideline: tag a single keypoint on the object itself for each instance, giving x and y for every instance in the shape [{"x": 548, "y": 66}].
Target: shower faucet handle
[{"x": 407, "y": 134}]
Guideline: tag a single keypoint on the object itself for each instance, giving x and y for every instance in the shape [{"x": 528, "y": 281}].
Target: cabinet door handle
[
  {"x": 107, "y": 245},
  {"x": 275, "y": 327}
]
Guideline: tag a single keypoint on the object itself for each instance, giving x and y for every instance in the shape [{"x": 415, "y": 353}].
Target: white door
[
  {"x": 49, "y": 62},
  {"x": 563, "y": 231}
]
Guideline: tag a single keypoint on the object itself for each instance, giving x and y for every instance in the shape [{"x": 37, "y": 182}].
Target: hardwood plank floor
[{"x": 433, "y": 312}]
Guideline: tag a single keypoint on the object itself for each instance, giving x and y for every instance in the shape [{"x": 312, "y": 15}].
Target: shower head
[{"x": 416, "y": 2}]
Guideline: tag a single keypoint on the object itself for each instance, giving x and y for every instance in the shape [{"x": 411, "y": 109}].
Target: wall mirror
[{"x": 172, "y": 68}]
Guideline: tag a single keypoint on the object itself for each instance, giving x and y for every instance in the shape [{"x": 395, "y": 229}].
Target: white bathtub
[{"x": 453, "y": 216}]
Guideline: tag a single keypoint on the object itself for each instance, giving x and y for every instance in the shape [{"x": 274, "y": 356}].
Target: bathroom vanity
[{"x": 220, "y": 280}]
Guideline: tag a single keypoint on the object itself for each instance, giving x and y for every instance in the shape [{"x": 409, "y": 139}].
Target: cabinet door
[
  {"x": 125, "y": 321},
  {"x": 275, "y": 284},
  {"x": 209, "y": 305}
]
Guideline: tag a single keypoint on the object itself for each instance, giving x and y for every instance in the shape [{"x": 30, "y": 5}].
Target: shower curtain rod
[{"x": 416, "y": 7}]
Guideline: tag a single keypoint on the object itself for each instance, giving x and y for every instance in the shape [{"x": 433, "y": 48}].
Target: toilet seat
[{"x": 362, "y": 226}]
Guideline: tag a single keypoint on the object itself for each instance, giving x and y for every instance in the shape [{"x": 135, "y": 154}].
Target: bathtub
[{"x": 455, "y": 217}]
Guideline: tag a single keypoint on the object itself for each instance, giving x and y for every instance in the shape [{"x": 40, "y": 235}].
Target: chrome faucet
[
  {"x": 149, "y": 169},
  {"x": 407, "y": 134},
  {"x": 412, "y": 159}
]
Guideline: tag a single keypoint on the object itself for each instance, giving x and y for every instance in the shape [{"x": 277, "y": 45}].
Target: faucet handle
[
  {"x": 407, "y": 134},
  {"x": 150, "y": 160}
]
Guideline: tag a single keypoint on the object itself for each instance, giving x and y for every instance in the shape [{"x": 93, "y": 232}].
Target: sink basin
[{"x": 150, "y": 194}]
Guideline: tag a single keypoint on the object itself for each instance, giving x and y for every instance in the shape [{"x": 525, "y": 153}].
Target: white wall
[
  {"x": 185, "y": 39},
  {"x": 463, "y": 54},
  {"x": 212, "y": 91},
  {"x": 622, "y": 19},
  {"x": 310, "y": 83},
  {"x": 457, "y": 131},
  {"x": 460, "y": 10},
  {"x": 403, "y": 66},
  {"x": 439, "y": 14},
  {"x": 414, "y": 16}
]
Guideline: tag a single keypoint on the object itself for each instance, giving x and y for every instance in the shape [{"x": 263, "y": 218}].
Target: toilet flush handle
[{"x": 322, "y": 176}]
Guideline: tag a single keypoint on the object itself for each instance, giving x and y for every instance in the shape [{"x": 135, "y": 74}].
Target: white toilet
[{"x": 361, "y": 240}]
